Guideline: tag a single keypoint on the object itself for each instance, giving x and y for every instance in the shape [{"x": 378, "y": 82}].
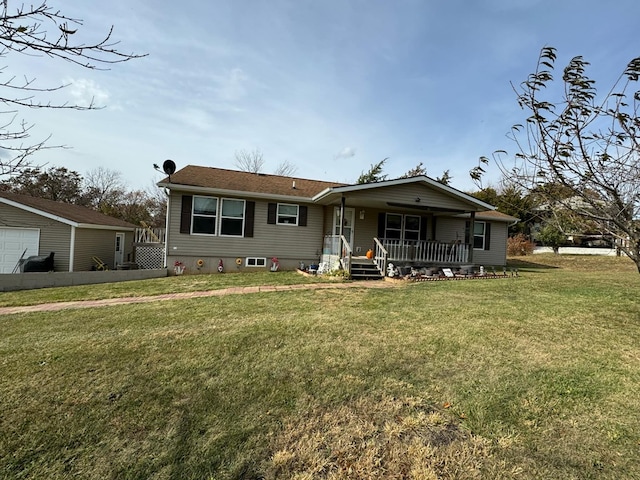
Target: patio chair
[{"x": 99, "y": 264}]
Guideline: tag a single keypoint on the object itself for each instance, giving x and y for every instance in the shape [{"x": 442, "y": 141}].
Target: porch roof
[
  {"x": 493, "y": 215},
  {"x": 334, "y": 194}
]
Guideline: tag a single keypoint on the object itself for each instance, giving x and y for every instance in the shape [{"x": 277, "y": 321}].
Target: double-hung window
[
  {"x": 231, "y": 217},
  {"x": 402, "y": 227},
  {"x": 287, "y": 214},
  {"x": 218, "y": 216},
  {"x": 479, "y": 235},
  {"x": 411, "y": 227},
  {"x": 393, "y": 227},
  {"x": 205, "y": 215}
]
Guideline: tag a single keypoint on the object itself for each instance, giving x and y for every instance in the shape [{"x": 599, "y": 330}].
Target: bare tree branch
[
  {"x": 587, "y": 145},
  {"x": 286, "y": 169},
  {"x": 249, "y": 161},
  {"x": 41, "y": 31}
]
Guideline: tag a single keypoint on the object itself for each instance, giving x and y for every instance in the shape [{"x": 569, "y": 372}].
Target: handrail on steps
[
  {"x": 345, "y": 258},
  {"x": 381, "y": 255}
]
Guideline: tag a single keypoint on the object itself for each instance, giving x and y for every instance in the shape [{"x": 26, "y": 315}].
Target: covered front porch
[
  {"x": 337, "y": 252},
  {"x": 412, "y": 222}
]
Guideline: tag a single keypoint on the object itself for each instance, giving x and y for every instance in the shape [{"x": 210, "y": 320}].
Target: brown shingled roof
[
  {"x": 222, "y": 179},
  {"x": 73, "y": 213},
  {"x": 494, "y": 214}
]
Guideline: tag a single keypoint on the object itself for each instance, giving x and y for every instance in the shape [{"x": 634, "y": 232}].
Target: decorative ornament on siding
[
  {"x": 275, "y": 264},
  {"x": 178, "y": 267}
]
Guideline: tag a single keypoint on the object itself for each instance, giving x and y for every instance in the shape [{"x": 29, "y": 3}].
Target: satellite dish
[{"x": 169, "y": 167}]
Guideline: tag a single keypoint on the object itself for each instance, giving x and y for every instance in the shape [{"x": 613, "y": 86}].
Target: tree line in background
[
  {"x": 101, "y": 189},
  {"x": 578, "y": 152}
]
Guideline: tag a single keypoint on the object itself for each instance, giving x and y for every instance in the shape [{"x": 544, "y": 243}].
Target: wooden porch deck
[{"x": 404, "y": 255}]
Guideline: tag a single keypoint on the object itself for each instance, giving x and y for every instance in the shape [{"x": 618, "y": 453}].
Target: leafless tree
[
  {"x": 104, "y": 186},
  {"x": 286, "y": 169},
  {"x": 249, "y": 161},
  {"x": 41, "y": 31}
]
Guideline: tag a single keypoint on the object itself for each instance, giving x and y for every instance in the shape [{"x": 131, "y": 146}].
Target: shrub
[{"x": 519, "y": 245}]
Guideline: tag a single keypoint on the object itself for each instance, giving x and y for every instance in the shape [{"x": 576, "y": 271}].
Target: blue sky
[{"x": 330, "y": 86}]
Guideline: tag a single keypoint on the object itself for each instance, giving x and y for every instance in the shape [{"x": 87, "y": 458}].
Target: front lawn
[
  {"x": 156, "y": 286},
  {"x": 531, "y": 377}
]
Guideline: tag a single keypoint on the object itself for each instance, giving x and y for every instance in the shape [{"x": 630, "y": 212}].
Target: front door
[
  {"x": 348, "y": 223},
  {"x": 119, "y": 256}
]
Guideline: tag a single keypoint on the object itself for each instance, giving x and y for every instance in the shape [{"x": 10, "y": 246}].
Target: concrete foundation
[{"x": 29, "y": 281}]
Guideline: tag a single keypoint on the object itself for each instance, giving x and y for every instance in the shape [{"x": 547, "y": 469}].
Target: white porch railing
[
  {"x": 149, "y": 247},
  {"x": 388, "y": 250},
  {"x": 427, "y": 251},
  {"x": 150, "y": 235},
  {"x": 336, "y": 251},
  {"x": 380, "y": 256}
]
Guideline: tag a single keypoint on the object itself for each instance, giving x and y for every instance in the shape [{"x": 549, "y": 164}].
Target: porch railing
[
  {"x": 380, "y": 256},
  {"x": 336, "y": 252},
  {"x": 147, "y": 234},
  {"x": 426, "y": 251},
  {"x": 345, "y": 254}
]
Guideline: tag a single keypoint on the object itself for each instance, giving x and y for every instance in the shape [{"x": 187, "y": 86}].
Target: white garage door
[{"x": 13, "y": 242}]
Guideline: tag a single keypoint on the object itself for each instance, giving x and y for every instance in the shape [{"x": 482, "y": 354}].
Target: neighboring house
[
  {"x": 246, "y": 220},
  {"x": 36, "y": 226}
]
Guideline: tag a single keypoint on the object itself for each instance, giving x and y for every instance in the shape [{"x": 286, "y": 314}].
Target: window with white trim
[
  {"x": 402, "y": 227},
  {"x": 479, "y": 235},
  {"x": 204, "y": 215},
  {"x": 232, "y": 217},
  {"x": 393, "y": 226},
  {"x": 412, "y": 227},
  {"x": 287, "y": 214},
  {"x": 256, "y": 262}
]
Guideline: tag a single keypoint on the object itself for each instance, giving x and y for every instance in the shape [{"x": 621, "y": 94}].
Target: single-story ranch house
[
  {"x": 246, "y": 221},
  {"x": 31, "y": 226}
]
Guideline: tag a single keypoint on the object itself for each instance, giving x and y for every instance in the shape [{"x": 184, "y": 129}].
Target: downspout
[
  {"x": 72, "y": 247},
  {"x": 472, "y": 221}
]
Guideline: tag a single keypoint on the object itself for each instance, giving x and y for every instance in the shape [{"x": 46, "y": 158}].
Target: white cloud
[
  {"x": 346, "y": 152},
  {"x": 86, "y": 92}
]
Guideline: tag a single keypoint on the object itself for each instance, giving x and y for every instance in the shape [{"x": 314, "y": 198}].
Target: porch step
[{"x": 364, "y": 270}]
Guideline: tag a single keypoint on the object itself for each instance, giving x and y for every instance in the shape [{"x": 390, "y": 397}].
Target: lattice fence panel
[{"x": 150, "y": 256}]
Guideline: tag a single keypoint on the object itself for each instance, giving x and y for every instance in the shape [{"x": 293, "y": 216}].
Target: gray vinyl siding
[
  {"x": 449, "y": 229},
  {"x": 287, "y": 242},
  {"x": 497, "y": 253},
  {"x": 54, "y": 236},
  {"x": 407, "y": 194},
  {"x": 100, "y": 243}
]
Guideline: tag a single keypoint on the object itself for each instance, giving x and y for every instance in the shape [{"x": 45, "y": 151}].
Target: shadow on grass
[{"x": 521, "y": 263}]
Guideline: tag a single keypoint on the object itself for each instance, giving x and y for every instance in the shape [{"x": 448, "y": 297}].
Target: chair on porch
[{"x": 453, "y": 251}]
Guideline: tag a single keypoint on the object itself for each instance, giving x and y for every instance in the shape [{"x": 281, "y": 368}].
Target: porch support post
[
  {"x": 342, "y": 203},
  {"x": 472, "y": 221}
]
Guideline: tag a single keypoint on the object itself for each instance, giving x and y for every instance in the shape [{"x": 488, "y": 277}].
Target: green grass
[
  {"x": 534, "y": 377},
  {"x": 157, "y": 286}
]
